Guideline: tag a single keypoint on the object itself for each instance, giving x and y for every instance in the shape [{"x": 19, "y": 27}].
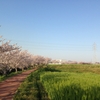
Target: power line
[
  {"x": 42, "y": 43},
  {"x": 52, "y": 44}
]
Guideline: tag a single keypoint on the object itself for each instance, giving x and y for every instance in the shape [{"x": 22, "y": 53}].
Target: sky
[{"x": 59, "y": 29}]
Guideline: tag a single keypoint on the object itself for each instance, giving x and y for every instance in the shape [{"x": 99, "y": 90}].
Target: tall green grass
[{"x": 71, "y": 86}]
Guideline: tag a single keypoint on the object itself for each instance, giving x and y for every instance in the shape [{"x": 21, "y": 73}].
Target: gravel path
[{"x": 9, "y": 87}]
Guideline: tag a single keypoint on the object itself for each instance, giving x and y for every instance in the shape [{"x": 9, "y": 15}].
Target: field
[{"x": 64, "y": 82}]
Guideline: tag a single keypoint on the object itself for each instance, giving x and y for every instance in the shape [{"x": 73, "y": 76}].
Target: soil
[{"x": 9, "y": 87}]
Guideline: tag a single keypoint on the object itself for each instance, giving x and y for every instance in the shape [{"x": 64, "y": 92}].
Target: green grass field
[
  {"x": 62, "y": 82},
  {"x": 77, "y": 68},
  {"x": 71, "y": 86}
]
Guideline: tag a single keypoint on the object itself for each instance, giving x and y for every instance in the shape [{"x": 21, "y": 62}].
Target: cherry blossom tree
[{"x": 12, "y": 57}]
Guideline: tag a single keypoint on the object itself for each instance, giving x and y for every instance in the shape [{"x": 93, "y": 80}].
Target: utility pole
[{"x": 94, "y": 49}]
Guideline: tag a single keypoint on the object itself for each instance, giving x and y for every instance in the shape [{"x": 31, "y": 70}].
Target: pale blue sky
[{"x": 59, "y": 29}]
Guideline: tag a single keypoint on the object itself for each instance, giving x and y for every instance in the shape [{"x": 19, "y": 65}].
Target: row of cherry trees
[{"x": 13, "y": 58}]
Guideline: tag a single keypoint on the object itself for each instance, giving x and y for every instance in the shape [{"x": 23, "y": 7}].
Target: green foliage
[
  {"x": 48, "y": 69},
  {"x": 71, "y": 86},
  {"x": 2, "y": 78}
]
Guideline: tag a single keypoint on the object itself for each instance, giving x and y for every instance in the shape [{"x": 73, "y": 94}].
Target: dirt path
[{"x": 9, "y": 87}]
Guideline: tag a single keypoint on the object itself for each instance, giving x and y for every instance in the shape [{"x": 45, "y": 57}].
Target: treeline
[{"x": 12, "y": 57}]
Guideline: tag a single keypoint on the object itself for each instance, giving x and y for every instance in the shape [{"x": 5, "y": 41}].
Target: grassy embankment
[{"x": 32, "y": 88}]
